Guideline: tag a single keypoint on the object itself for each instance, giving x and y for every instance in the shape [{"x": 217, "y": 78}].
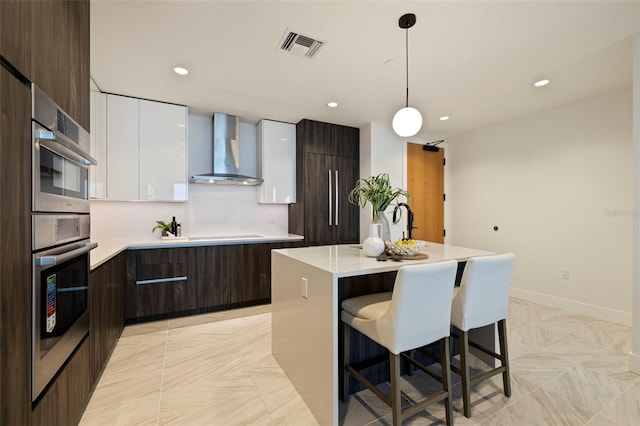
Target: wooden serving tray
[
  {"x": 419, "y": 256},
  {"x": 384, "y": 257}
]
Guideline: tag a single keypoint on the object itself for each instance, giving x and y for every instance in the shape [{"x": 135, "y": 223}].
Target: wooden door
[{"x": 425, "y": 183}]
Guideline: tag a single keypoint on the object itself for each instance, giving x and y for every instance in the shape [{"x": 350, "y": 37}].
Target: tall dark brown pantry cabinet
[
  {"x": 327, "y": 169},
  {"x": 15, "y": 251}
]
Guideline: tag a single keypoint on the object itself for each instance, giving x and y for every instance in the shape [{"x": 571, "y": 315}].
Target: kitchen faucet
[{"x": 410, "y": 226}]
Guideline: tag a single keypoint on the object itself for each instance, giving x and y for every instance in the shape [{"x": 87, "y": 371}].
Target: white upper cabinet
[
  {"x": 98, "y": 138},
  {"x": 145, "y": 154},
  {"x": 122, "y": 148},
  {"x": 163, "y": 141},
  {"x": 276, "y": 153}
]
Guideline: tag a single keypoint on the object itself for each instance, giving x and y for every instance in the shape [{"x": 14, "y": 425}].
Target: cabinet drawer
[
  {"x": 159, "y": 298},
  {"x": 169, "y": 264}
]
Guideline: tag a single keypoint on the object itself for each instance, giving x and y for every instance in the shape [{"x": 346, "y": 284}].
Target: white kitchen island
[{"x": 307, "y": 285}]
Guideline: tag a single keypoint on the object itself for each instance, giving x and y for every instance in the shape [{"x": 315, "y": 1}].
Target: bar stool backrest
[
  {"x": 420, "y": 310},
  {"x": 483, "y": 297}
]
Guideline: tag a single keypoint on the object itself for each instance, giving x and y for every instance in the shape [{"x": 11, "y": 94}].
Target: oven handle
[
  {"x": 60, "y": 258},
  {"x": 63, "y": 146}
]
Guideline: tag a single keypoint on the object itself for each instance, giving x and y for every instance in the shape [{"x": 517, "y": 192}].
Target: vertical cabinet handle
[
  {"x": 330, "y": 199},
  {"x": 336, "y": 198}
]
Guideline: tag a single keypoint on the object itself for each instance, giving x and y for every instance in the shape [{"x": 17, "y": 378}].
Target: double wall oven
[{"x": 60, "y": 238}]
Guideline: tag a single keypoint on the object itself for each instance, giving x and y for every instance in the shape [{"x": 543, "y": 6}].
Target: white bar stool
[
  {"x": 416, "y": 314},
  {"x": 482, "y": 299}
]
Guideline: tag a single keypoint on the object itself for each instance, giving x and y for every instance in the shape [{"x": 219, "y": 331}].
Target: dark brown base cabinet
[
  {"x": 169, "y": 282},
  {"x": 64, "y": 401},
  {"x": 107, "y": 308}
]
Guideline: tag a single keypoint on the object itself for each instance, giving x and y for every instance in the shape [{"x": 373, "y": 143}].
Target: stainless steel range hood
[{"x": 226, "y": 154}]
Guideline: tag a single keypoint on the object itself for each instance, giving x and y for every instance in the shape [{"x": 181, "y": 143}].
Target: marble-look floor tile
[
  {"x": 566, "y": 322},
  {"x": 227, "y": 405},
  {"x": 611, "y": 363},
  {"x": 142, "y": 411},
  {"x": 144, "y": 328},
  {"x": 534, "y": 336},
  {"x": 217, "y": 369},
  {"x": 293, "y": 412},
  {"x": 587, "y": 388},
  {"x": 362, "y": 409},
  {"x": 539, "y": 368},
  {"x": 542, "y": 408},
  {"x": 623, "y": 411},
  {"x": 600, "y": 333},
  {"x": 488, "y": 396}
]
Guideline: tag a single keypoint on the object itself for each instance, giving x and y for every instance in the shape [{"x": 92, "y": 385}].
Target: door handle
[
  {"x": 330, "y": 198},
  {"x": 60, "y": 258},
  {"x": 336, "y": 198}
]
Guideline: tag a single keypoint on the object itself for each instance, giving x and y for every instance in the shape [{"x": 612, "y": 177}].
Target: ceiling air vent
[{"x": 299, "y": 44}]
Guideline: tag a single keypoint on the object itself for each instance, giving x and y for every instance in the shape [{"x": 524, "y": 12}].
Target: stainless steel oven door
[
  {"x": 60, "y": 175},
  {"x": 60, "y": 314}
]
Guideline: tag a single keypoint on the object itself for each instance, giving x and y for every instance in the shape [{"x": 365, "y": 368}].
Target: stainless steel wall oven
[{"x": 60, "y": 238}]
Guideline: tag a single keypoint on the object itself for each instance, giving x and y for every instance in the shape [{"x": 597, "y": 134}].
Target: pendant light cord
[{"x": 406, "y": 44}]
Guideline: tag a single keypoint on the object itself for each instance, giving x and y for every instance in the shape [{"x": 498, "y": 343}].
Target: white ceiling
[{"x": 472, "y": 60}]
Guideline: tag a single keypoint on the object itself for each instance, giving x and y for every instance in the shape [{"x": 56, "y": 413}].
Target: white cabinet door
[
  {"x": 98, "y": 138},
  {"x": 277, "y": 162},
  {"x": 122, "y": 148},
  {"x": 163, "y": 139}
]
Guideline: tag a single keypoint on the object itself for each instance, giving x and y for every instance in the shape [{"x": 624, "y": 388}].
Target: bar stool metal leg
[
  {"x": 396, "y": 400},
  {"x": 445, "y": 354},
  {"x": 464, "y": 367},
  {"x": 504, "y": 357}
]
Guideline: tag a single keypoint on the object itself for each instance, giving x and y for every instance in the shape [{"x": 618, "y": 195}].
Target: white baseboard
[{"x": 607, "y": 314}]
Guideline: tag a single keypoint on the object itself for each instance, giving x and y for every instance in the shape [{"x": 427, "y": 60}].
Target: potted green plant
[
  {"x": 377, "y": 191},
  {"x": 163, "y": 226}
]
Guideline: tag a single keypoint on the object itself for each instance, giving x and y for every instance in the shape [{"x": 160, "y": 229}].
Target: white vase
[
  {"x": 381, "y": 218},
  {"x": 373, "y": 245}
]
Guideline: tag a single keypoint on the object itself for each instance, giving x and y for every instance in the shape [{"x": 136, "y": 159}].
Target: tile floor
[{"x": 217, "y": 369}]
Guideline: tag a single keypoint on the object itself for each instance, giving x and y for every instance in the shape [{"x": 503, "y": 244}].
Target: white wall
[
  {"x": 210, "y": 210},
  {"x": 558, "y": 184},
  {"x": 381, "y": 151}
]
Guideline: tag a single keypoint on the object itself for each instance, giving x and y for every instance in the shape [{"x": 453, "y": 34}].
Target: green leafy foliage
[
  {"x": 376, "y": 190},
  {"x": 162, "y": 225}
]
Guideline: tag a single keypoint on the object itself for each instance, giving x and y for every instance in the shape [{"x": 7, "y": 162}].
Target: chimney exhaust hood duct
[{"x": 226, "y": 154}]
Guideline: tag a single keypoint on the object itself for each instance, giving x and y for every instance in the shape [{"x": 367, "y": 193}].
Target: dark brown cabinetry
[
  {"x": 63, "y": 402},
  {"x": 107, "y": 308},
  {"x": 60, "y": 49},
  {"x": 15, "y": 34},
  {"x": 191, "y": 280},
  {"x": 157, "y": 282},
  {"x": 327, "y": 169},
  {"x": 210, "y": 268},
  {"x": 48, "y": 43},
  {"x": 15, "y": 250}
]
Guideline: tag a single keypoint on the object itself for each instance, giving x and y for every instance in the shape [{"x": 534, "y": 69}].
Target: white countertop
[
  {"x": 349, "y": 260},
  {"x": 107, "y": 249}
]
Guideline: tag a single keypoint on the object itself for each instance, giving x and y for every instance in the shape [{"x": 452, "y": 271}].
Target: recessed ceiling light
[
  {"x": 444, "y": 118},
  {"x": 181, "y": 71},
  {"x": 541, "y": 83},
  {"x": 332, "y": 104}
]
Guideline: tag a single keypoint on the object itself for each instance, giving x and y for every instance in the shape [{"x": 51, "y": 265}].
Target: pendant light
[{"x": 408, "y": 120}]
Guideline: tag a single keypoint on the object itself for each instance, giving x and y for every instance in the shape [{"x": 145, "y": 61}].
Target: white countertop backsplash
[{"x": 212, "y": 210}]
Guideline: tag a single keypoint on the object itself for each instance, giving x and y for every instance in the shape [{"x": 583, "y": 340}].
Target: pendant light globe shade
[{"x": 407, "y": 122}]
